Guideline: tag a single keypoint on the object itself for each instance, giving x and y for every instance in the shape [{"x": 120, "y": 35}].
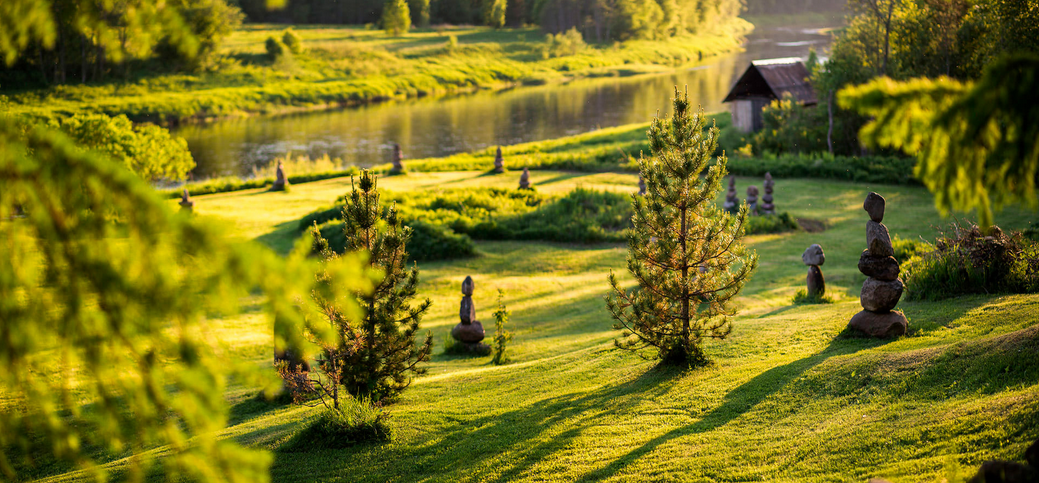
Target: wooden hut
[{"x": 765, "y": 81}]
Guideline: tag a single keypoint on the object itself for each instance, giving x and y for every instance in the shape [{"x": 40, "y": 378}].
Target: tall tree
[
  {"x": 977, "y": 145},
  {"x": 396, "y": 17},
  {"x": 685, "y": 254},
  {"x": 380, "y": 354}
]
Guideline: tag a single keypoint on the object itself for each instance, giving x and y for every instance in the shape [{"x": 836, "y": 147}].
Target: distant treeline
[
  {"x": 785, "y": 7},
  {"x": 597, "y": 20}
]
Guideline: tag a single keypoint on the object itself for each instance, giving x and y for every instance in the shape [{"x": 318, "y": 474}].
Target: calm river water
[{"x": 364, "y": 136}]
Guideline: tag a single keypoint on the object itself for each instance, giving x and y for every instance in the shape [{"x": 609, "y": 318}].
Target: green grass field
[
  {"x": 346, "y": 65},
  {"x": 786, "y": 399}
]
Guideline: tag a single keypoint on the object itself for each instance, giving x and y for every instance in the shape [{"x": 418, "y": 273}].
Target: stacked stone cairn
[
  {"x": 882, "y": 289},
  {"x": 499, "y": 162},
  {"x": 752, "y": 200},
  {"x": 280, "y": 183},
  {"x": 814, "y": 258},
  {"x": 525, "y": 179},
  {"x": 185, "y": 202},
  {"x": 732, "y": 201},
  {"x": 767, "y": 208},
  {"x": 469, "y": 331},
  {"x": 398, "y": 159},
  {"x": 642, "y": 186}
]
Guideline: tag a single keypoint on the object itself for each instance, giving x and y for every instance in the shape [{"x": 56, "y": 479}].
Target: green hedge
[{"x": 226, "y": 184}]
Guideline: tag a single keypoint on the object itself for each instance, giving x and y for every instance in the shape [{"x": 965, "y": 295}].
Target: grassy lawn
[
  {"x": 346, "y": 65},
  {"x": 785, "y": 400}
]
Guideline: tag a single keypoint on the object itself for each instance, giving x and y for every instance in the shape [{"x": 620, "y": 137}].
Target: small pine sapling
[
  {"x": 501, "y": 336},
  {"x": 684, "y": 253}
]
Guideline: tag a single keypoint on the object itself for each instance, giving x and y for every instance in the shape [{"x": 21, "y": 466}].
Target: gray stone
[
  {"x": 467, "y": 310},
  {"x": 468, "y": 285},
  {"x": 880, "y": 295},
  {"x": 813, "y": 255},
  {"x": 398, "y": 158},
  {"x": 766, "y": 201},
  {"x": 877, "y": 240},
  {"x": 642, "y": 186},
  {"x": 881, "y": 325},
  {"x": 524, "y": 183},
  {"x": 816, "y": 282},
  {"x": 499, "y": 162},
  {"x": 280, "y": 183},
  {"x": 185, "y": 202},
  {"x": 880, "y": 268},
  {"x": 874, "y": 205},
  {"x": 752, "y": 199},
  {"x": 470, "y": 333},
  {"x": 732, "y": 202}
]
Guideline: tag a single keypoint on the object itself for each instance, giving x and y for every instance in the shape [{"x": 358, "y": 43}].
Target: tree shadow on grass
[{"x": 282, "y": 238}]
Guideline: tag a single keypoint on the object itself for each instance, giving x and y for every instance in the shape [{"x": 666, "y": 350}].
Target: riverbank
[{"x": 349, "y": 65}]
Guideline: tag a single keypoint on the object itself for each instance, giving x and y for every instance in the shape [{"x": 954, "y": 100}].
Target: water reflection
[{"x": 364, "y": 136}]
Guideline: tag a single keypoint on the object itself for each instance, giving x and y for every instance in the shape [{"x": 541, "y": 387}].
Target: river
[{"x": 432, "y": 127}]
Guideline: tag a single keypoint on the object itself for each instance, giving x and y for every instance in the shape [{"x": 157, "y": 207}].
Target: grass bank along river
[
  {"x": 346, "y": 65},
  {"x": 436, "y": 127}
]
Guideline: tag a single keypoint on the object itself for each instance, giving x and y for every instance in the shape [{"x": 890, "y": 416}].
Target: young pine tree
[
  {"x": 684, "y": 253},
  {"x": 380, "y": 352},
  {"x": 396, "y": 17},
  {"x": 501, "y": 336}
]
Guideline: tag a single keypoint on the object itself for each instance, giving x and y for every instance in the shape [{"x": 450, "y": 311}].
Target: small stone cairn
[
  {"x": 814, "y": 258},
  {"x": 642, "y": 186},
  {"x": 767, "y": 208},
  {"x": 882, "y": 289},
  {"x": 752, "y": 200},
  {"x": 185, "y": 202},
  {"x": 732, "y": 201},
  {"x": 280, "y": 183},
  {"x": 499, "y": 162},
  {"x": 398, "y": 159},
  {"x": 525, "y": 179},
  {"x": 469, "y": 332}
]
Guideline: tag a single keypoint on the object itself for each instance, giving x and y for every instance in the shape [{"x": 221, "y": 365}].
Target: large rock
[
  {"x": 880, "y": 268},
  {"x": 468, "y": 332},
  {"x": 880, "y": 295},
  {"x": 813, "y": 255},
  {"x": 874, "y": 205},
  {"x": 468, "y": 285},
  {"x": 877, "y": 240},
  {"x": 499, "y": 162},
  {"x": 886, "y": 324},
  {"x": 816, "y": 282},
  {"x": 1005, "y": 472},
  {"x": 467, "y": 310}
]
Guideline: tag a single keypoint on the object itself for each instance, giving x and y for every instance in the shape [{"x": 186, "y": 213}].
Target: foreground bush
[
  {"x": 357, "y": 421},
  {"x": 968, "y": 261}
]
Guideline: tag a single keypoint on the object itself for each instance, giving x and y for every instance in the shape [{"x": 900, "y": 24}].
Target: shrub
[
  {"x": 149, "y": 151},
  {"x": 563, "y": 44},
  {"x": 777, "y": 223},
  {"x": 969, "y": 262},
  {"x": 802, "y": 298},
  {"x": 396, "y": 17},
  {"x": 357, "y": 421},
  {"x": 435, "y": 242},
  {"x": 292, "y": 41},
  {"x": 501, "y": 336},
  {"x": 906, "y": 248},
  {"x": 455, "y": 348},
  {"x": 275, "y": 49}
]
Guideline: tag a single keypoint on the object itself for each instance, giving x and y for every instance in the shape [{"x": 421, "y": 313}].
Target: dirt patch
[{"x": 811, "y": 226}]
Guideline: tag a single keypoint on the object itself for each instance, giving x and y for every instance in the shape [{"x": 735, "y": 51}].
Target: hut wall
[{"x": 743, "y": 114}]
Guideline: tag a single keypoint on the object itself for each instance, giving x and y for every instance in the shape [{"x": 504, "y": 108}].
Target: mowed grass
[{"x": 787, "y": 398}]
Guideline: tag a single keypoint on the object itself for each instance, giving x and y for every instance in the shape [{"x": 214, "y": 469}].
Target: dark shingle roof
[{"x": 773, "y": 78}]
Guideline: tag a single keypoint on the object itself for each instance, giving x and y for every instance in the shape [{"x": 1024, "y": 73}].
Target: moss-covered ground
[{"x": 786, "y": 399}]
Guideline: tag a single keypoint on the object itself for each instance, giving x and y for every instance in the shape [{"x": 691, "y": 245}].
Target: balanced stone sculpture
[
  {"x": 280, "y": 183},
  {"x": 398, "y": 159},
  {"x": 499, "y": 162},
  {"x": 185, "y": 202},
  {"x": 469, "y": 331},
  {"x": 883, "y": 288},
  {"x": 732, "y": 202},
  {"x": 766, "y": 201},
  {"x": 814, "y": 258},
  {"x": 752, "y": 200},
  {"x": 525, "y": 179},
  {"x": 642, "y": 186}
]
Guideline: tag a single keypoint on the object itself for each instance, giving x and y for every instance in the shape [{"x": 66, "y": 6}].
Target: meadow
[
  {"x": 348, "y": 65},
  {"x": 789, "y": 396}
]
